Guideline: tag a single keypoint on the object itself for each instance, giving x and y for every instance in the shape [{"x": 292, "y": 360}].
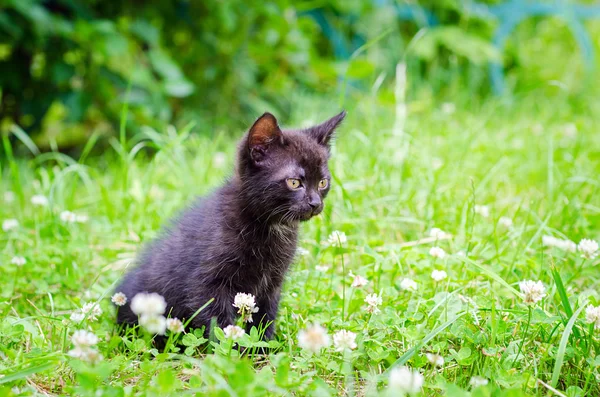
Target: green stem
[
  {"x": 524, "y": 334},
  {"x": 590, "y": 339},
  {"x": 343, "y": 284},
  {"x": 231, "y": 343},
  {"x": 350, "y": 301}
]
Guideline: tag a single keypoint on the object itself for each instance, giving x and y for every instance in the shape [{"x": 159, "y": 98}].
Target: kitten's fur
[{"x": 242, "y": 237}]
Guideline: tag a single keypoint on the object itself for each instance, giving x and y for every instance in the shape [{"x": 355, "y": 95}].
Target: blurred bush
[{"x": 67, "y": 67}]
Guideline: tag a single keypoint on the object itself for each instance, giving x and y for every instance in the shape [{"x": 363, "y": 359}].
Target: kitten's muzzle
[
  {"x": 314, "y": 201},
  {"x": 310, "y": 212}
]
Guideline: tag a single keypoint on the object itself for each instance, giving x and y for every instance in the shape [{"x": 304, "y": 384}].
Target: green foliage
[
  {"x": 67, "y": 67},
  {"x": 532, "y": 162}
]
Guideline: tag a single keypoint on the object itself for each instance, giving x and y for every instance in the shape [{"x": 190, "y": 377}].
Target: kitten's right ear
[
  {"x": 323, "y": 132},
  {"x": 264, "y": 132}
]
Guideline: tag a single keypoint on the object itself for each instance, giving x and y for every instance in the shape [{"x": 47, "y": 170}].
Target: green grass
[{"x": 390, "y": 188}]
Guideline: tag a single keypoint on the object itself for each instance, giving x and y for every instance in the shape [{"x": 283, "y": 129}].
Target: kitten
[{"x": 242, "y": 237}]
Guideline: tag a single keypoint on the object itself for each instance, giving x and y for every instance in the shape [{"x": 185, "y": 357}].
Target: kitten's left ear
[
  {"x": 323, "y": 132},
  {"x": 264, "y": 132}
]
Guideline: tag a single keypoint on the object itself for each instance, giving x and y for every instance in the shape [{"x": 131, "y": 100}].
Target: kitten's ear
[
  {"x": 323, "y": 132},
  {"x": 264, "y": 132}
]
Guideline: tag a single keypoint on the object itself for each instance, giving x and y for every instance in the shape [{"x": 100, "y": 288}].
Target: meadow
[{"x": 444, "y": 209}]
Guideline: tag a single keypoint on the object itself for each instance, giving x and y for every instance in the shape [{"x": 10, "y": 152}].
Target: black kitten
[{"x": 242, "y": 237}]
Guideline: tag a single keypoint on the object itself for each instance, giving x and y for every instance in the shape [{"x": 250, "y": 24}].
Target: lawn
[{"x": 472, "y": 189}]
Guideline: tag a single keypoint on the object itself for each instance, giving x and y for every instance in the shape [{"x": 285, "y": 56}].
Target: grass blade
[
  {"x": 406, "y": 356},
  {"x": 560, "y": 287},
  {"x": 491, "y": 274},
  {"x": 25, "y": 139},
  {"x": 562, "y": 292},
  {"x": 562, "y": 347},
  {"x": 26, "y": 372},
  {"x": 89, "y": 145},
  {"x": 198, "y": 311}
]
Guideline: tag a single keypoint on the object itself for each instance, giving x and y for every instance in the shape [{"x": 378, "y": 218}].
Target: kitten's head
[{"x": 284, "y": 174}]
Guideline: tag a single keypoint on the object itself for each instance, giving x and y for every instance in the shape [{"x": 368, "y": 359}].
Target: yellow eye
[
  {"x": 323, "y": 183},
  {"x": 293, "y": 183}
]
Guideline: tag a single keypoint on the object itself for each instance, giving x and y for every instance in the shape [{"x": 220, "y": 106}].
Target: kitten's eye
[
  {"x": 293, "y": 183},
  {"x": 323, "y": 183}
]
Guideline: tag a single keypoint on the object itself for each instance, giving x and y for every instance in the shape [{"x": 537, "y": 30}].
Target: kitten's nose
[{"x": 314, "y": 200}]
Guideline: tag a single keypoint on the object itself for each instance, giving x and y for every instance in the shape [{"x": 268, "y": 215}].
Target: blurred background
[{"x": 70, "y": 69}]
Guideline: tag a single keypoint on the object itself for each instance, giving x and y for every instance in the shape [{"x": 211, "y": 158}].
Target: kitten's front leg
[{"x": 267, "y": 313}]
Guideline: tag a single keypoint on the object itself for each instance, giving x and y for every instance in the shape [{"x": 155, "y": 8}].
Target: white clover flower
[
  {"x": 408, "y": 284},
  {"x": 148, "y": 303},
  {"x": 77, "y": 353},
  {"x": 482, "y": 210},
  {"x": 435, "y": 359},
  {"x": 83, "y": 338},
  {"x": 461, "y": 253},
  {"x": 373, "y": 302},
  {"x": 244, "y": 301},
  {"x": 154, "y": 323},
  {"x": 549, "y": 241},
  {"x": 322, "y": 268},
  {"x": 404, "y": 380},
  {"x": 533, "y": 291},
  {"x": 175, "y": 325},
  {"x": 219, "y": 160},
  {"x": 9, "y": 197},
  {"x": 592, "y": 316},
  {"x": 91, "y": 310},
  {"x": 77, "y": 316},
  {"x": 448, "y": 108},
  {"x": 119, "y": 299},
  {"x": 39, "y": 200},
  {"x": 565, "y": 245},
  {"x": 478, "y": 381},
  {"x": 438, "y": 233},
  {"x": 246, "y": 304},
  {"x": 81, "y": 218},
  {"x": 588, "y": 248},
  {"x": 302, "y": 251},
  {"x": 505, "y": 221},
  {"x": 313, "y": 338},
  {"x": 18, "y": 260},
  {"x": 437, "y": 252},
  {"x": 233, "y": 332},
  {"x": 10, "y": 224},
  {"x": 86, "y": 354},
  {"x": 438, "y": 275},
  {"x": 71, "y": 217},
  {"x": 337, "y": 238},
  {"x": 343, "y": 340},
  {"x": 68, "y": 217},
  {"x": 84, "y": 341},
  {"x": 358, "y": 281}
]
